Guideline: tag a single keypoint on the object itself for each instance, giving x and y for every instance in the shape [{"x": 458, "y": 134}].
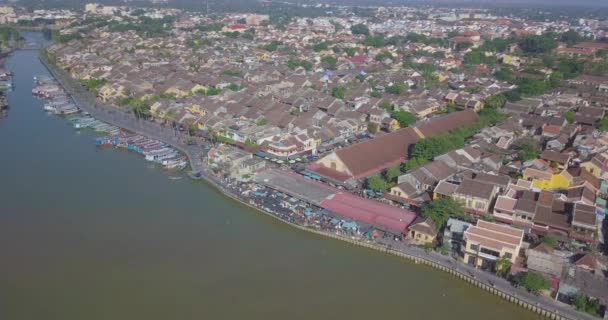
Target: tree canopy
[
  {"x": 441, "y": 210},
  {"x": 376, "y": 184},
  {"x": 495, "y": 101},
  {"x": 404, "y": 118},
  {"x": 534, "y": 44},
  {"x": 360, "y": 29},
  {"x": 533, "y": 282},
  {"x": 527, "y": 148}
]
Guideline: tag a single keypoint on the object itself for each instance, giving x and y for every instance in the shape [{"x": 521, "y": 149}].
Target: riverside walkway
[
  {"x": 84, "y": 100},
  {"x": 126, "y": 120}
]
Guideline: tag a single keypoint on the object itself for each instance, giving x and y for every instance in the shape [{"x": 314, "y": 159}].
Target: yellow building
[
  {"x": 547, "y": 181},
  {"x": 393, "y": 125},
  {"x": 196, "y": 109},
  {"x": 423, "y": 232},
  {"x": 487, "y": 242},
  {"x": 595, "y": 166},
  {"x": 177, "y": 92},
  {"x": 112, "y": 92}
]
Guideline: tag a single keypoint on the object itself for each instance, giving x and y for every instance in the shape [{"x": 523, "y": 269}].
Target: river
[{"x": 100, "y": 234}]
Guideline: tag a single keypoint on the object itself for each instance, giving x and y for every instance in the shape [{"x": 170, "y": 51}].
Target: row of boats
[
  {"x": 57, "y": 100},
  {"x": 152, "y": 150},
  {"x": 60, "y": 103}
]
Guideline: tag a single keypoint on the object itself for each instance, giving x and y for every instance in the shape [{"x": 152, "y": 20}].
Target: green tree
[
  {"x": 538, "y": 44},
  {"x": 441, "y": 210},
  {"x": 571, "y": 37},
  {"x": 461, "y": 46},
  {"x": 232, "y": 35},
  {"x": 392, "y": 173},
  {"x": 234, "y": 87},
  {"x": 376, "y": 183},
  {"x": 397, "y": 88},
  {"x": 350, "y": 52},
  {"x": 360, "y": 29},
  {"x": 533, "y": 282},
  {"x": 375, "y": 41},
  {"x": 338, "y": 92},
  {"x": 588, "y": 305},
  {"x": 93, "y": 84},
  {"x": 505, "y": 74},
  {"x": 603, "y": 125},
  {"x": 273, "y": 46},
  {"x": 503, "y": 267},
  {"x": 330, "y": 61},
  {"x": 550, "y": 241},
  {"x": 527, "y": 148},
  {"x": 556, "y": 78},
  {"x": 321, "y": 46},
  {"x": 404, "y": 118},
  {"x": 495, "y": 101},
  {"x": 387, "y": 105},
  {"x": 383, "y": 56},
  {"x": 372, "y": 127},
  {"x": 570, "y": 115},
  {"x": 262, "y": 122}
]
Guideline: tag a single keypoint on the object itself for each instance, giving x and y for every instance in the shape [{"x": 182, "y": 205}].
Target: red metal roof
[
  {"x": 237, "y": 27},
  {"x": 382, "y": 215}
]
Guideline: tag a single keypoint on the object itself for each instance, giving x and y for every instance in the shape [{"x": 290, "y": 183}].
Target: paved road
[
  {"x": 121, "y": 118},
  {"x": 489, "y": 279},
  {"x": 128, "y": 121}
]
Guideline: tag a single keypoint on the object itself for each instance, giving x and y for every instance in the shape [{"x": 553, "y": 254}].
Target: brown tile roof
[
  {"x": 587, "y": 261},
  {"x": 448, "y": 123},
  {"x": 505, "y": 203},
  {"x": 526, "y": 205},
  {"x": 544, "y": 248},
  {"x": 475, "y": 188},
  {"x": 500, "y": 180},
  {"x": 445, "y": 188},
  {"x": 545, "y": 198},
  {"x": 494, "y": 236},
  {"x": 545, "y": 216},
  {"x": 371, "y": 156},
  {"x": 584, "y": 214},
  {"x": 425, "y": 227},
  {"x": 550, "y": 155}
]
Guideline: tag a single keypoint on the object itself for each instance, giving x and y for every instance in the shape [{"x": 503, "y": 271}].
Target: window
[
  {"x": 507, "y": 255},
  {"x": 490, "y": 252},
  {"x": 474, "y": 247}
]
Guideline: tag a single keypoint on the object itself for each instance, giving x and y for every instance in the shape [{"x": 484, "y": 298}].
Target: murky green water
[{"x": 98, "y": 234}]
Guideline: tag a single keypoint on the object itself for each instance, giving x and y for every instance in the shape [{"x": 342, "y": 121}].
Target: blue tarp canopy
[
  {"x": 350, "y": 225},
  {"x": 260, "y": 154},
  {"x": 308, "y": 212},
  {"x": 334, "y": 221}
]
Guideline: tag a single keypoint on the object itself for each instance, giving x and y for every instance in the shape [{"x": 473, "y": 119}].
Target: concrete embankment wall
[{"x": 419, "y": 260}]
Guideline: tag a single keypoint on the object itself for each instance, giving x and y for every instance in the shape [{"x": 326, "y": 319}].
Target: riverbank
[{"x": 473, "y": 276}]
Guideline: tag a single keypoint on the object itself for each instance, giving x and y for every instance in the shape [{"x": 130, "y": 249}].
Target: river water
[{"x": 99, "y": 234}]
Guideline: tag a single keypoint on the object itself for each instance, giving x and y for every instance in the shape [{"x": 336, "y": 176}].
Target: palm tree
[{"x": 503, "y": 267}]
